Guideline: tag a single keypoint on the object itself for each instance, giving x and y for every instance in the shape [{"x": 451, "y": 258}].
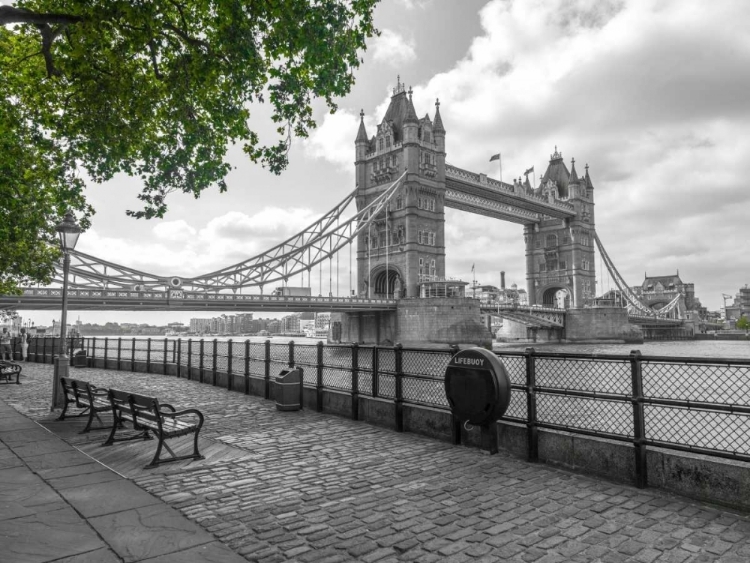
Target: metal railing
[{"x": 698, "y": 405}]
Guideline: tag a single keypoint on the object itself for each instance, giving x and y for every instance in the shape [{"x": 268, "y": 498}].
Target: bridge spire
[
  {"x": 573, "y": 176},
  {"x": 438, "y": 123},
  {"x": 362, "y": 133}
]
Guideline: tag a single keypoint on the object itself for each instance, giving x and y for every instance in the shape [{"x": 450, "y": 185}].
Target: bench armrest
[
  {"x": 196, "y": 412},
  {"x": 99, "y": 391},
  {"x": 167, "y": 405}
]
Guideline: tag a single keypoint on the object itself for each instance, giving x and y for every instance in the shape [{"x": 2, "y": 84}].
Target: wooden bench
[
  {"x": 147, "y": 417},
  {"x": 8, "y": 370},
  {"x": 86, "y": 396}
]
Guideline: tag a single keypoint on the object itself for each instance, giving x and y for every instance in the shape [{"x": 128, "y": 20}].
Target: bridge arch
[
  {"x": 556, "y": 296},
  {"x": 384, "y": 281}
]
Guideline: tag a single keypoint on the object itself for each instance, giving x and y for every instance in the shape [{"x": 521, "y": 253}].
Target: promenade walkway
[{"x": 308, "y": 487}]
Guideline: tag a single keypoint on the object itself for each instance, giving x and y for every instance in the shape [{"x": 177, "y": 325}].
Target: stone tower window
[
  {"x": 550, "y": 241},
  {"x": 388, "y": 142},
  {"x": 380, "y": 144}
]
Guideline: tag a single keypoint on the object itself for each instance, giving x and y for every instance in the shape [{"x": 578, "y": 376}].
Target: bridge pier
[{"x": 418, "y": 322}]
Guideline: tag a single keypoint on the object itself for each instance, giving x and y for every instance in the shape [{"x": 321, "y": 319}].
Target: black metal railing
[{"x": 698, "y": 405}]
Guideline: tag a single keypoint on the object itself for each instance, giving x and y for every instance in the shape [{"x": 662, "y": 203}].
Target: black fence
[{"x": 698, "y": 405}]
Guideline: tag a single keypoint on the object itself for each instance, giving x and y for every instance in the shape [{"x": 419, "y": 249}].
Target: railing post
[
  {"x": 178, "y": 360},
  {"x": 229, "y": 365},
  {"x": 291, "y": 354},
  {"x": 200, "y": 361},
  {"x": 148, "y": 355},
  {"x": 190, "y": 359},
  {"x": 319, "y": 380},
  {"x": 166, "y": 348},
  {"x": 399, "y": 401},
  {"x": 70, "y": 349},
  {"x": 93, "y": 352},
  {"x": 213, "y": 367},
  {"x": 106, "y": 350},
  {"x": 355, "y": 381},
  {"x": 267, "y": 374},
  {"x": 455, "y": 423},
  {"x": 532, "y": 430},
  {"x": 375, "y": 371},
  {"x": 247, "y": 367},
  {"x": 639, "y": 424},
  {"x": 132, "y": 355},
  {"x": 119, "y": 353}
]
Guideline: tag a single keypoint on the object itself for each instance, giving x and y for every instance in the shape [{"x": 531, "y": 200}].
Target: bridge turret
[
  {"x": 411, "y": 137},
  {"x": 361, "y": 143},
  {"x": 438, "y": 131}
]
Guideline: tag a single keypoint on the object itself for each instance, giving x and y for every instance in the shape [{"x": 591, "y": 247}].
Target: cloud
[
  {"x": 333, "y": 139},
  {"x": 225, "y": 240},
  {"x": 393, "y": 49}
]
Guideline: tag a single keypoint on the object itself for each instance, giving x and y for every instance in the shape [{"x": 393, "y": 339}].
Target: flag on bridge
[
  {"x": 495, "y": 157},
  {"x": 472, "y": 267},
  {"x": 529, "y": 171}
]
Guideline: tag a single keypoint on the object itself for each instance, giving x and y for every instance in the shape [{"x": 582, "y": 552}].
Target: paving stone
[{"x": 314, "y": 487}]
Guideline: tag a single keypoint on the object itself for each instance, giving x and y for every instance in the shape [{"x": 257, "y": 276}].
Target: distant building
[
  {"x": 659, "y": 291},
  {"x": 492, "y": 295}
]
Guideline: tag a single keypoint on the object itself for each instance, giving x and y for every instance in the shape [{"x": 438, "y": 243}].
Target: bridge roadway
[
  {"x": 119, "y": 299},
  {"x": 479, "y": 194}
]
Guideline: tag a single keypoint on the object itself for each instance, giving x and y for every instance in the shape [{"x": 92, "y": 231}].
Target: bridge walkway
[{"x": 304, "y": 486}]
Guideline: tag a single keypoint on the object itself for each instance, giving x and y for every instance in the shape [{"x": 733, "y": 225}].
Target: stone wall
[
  {"x": 600, "y": 323},
  {"x": 441, "y": 321},
  {"x": 418, "y": 322}
]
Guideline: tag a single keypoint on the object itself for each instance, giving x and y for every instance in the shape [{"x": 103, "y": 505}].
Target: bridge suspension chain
[
  {"x": 634, "y": 303},
  {"x": 304, "y": 250}
]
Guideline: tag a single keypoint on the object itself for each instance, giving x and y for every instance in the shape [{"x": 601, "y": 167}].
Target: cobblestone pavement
[{"x": 323, "y": 488}]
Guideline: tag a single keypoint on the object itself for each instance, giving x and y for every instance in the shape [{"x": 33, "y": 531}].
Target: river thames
[{"x": 682, "y": 348}]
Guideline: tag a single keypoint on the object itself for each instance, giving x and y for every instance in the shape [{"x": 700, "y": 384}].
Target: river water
[{"x": 722, "y": 349}]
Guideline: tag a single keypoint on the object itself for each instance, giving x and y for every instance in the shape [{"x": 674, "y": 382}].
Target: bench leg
[
  {"x": 65, "y": 409},
  {"x": 156, "y": 461}
]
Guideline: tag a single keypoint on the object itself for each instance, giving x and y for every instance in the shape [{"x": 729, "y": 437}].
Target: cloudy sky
[{"x": 652, "y": 94}]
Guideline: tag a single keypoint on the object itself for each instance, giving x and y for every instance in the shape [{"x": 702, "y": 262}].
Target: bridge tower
[
  {"x": 406, "y": 245},
  {"x": 560, "y": 253}
]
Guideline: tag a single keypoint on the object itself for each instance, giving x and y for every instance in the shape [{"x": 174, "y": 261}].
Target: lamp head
[{"x": 69, "y": 231}]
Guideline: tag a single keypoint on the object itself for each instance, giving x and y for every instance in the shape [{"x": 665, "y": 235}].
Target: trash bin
[
  {"x": 79, "y": 359},
  {"x": 288, "y": 391}
]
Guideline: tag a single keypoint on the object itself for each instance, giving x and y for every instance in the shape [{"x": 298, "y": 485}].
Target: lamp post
[{"x": 69, "y": 231}]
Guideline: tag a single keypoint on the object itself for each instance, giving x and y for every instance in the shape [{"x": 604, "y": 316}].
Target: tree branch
[
  {"x": 185, "y": 37},
  {"x": 11, "y": 14}
]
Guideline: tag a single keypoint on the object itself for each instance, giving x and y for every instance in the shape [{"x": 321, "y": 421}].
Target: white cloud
[
  {"x": 174, "y": 230},
  {"x": 393, "y": 49},
  {"x": 333, "y": 139},
  {"x": 225, "y": 240}
]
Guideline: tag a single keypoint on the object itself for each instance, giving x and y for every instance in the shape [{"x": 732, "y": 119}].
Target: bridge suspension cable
[
  {"x": 634, "y": 303},
  {"x": 304, "y": 250}
]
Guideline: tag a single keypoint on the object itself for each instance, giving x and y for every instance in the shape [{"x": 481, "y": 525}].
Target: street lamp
[{"x": 69, "y": 231}]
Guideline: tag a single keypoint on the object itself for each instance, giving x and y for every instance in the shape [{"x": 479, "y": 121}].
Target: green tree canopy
[
  {"x": 156, "y": 90},
  {"x": 743, "y": 323}
]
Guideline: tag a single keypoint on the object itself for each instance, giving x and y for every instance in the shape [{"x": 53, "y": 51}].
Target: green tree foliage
[
  {"x": 743, "y": 323},
  {"x": 157, "y": 90}
]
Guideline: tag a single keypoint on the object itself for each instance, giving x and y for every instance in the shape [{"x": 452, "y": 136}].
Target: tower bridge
[{"x": 395, "y": 242}]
